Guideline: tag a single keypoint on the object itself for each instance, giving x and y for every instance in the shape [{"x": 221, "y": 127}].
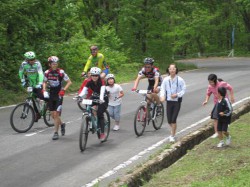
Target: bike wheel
[
  {"x": 22, "y": 118},
  {"x": 48, "y": 120},
  {"x": 84, "y": 132},
  {"x": 106, "y": 125},
  {"x": 140, "y": 120},
  {"x": 158, "y": 114}
]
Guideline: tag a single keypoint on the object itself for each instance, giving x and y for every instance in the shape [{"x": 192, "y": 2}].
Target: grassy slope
[{"x": 207, "y": 165}]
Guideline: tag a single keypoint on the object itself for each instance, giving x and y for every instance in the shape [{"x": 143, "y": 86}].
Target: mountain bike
[
  {"x": 22, "y": 117},
  {"x": 146, "y": 112},
  {"x": 90, "y": 123}
]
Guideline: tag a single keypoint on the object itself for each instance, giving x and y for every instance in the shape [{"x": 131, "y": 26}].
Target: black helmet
[{"x": 148, "y": 60}]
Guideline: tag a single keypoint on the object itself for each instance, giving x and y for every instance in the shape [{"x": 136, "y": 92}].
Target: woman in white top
[{"x": 172, "y": 89}]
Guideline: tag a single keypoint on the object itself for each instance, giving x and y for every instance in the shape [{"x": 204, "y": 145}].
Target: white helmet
[
  {"x": 95, "y": 71},
  {"x": 53, "y": 59},
  {"x": 110, "y": 76}
]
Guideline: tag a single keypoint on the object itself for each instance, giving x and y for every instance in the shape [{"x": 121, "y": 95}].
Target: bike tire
[
  {"x": 84, "y": 132},
  {"x": 22, "y": 118},
  {"x": 158, "y": 121},
  {"x": 48, "y": 120},
  {"x": 106, "y": 125},
  {"x": 140, "y": 120}
]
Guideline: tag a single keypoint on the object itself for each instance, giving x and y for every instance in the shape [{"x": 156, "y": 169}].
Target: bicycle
[
  {"x": 147, "y": 112},
  {"x": 22, "y": 117},
  {"x": 90, "y": 123}
]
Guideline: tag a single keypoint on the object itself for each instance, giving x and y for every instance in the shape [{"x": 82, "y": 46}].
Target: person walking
[
  {"x": 172, "y": 90},
  {"x": 53, "y": 78},
  {"x": 115, "y": 94},
  {"x": 214, "y": 84},
  {"x": 224, "y": 112}
]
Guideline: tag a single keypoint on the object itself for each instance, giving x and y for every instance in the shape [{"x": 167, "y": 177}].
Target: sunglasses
[
  {"x": 94, "y": 75},
  {"x": 29, "y": 60},
  {"x": 147, "y": 67}
]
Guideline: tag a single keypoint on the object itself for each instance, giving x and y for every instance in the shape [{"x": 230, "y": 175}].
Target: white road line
[
  {"x": 140, "y": 154},
  {"x": 34, "y": 133}
]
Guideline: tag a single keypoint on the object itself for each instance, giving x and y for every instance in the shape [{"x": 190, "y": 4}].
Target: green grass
[{"x": 207, "y": 165}]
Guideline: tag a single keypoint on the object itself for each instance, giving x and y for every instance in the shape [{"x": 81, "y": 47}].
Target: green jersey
[{"x": 34, "y": 73}]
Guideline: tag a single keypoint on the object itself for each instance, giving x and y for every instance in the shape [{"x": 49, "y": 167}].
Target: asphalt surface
[{"x": 34, "y": 159}]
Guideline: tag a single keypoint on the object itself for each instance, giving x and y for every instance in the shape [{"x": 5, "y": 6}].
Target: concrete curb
[{"x": 176, "y": 151}]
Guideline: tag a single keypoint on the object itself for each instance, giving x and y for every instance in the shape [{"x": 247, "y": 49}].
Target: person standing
[
  {"x": 224, "y": 112},
  {"x": 173, "y": 88},
  {"x": 96, "y": 59},
  {"x": 115, "y": 94},
  {"x": 54, "y": 77},
  {"x": 31, "y": 73},
  {"x": 212, "y": 88}
]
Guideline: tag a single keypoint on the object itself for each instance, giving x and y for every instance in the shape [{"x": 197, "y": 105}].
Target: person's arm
[
  {"x": 183, "y": 88},
  {"x": 137, "y": 82},
  {"x": 230, "y": 88},
  {"x": 163, "y": 90},
  {"x": 207, "y": 96},
  {"x": 156, "y": 84},
  {"x": 67, "y": 85},
  {"x": 102, "y": 91},
  {"x": 40, "y": 73},
  {"x": 87, "y": 65}
]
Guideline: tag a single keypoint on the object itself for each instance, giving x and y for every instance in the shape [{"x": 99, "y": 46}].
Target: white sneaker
[
  {"x": 215, "y": 135},
  {"x": 172, "y": 139},
  {"x": 116, "y": 128},
  {"x": 228, "y": 140},
  {"x": 221, "y": 144}
]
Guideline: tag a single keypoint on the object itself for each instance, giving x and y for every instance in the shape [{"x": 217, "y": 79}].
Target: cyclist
[
  {"x": 97, "y": 84},
  {"x": 96, "y": 59},
  {"x": 31, "y": 72},
  {"x": 154, "y": 79},
  {"x": 53, "y": 78}
]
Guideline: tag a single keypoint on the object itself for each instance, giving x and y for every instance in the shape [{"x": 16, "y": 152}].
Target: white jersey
[{"x": 113, "y": 94}]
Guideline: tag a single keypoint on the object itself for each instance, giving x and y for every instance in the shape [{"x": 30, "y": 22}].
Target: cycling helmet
[
  {"x": 30, "y": 55},
  {"x": 53, "y": 59},
  {"x": 148, "y": 60},
  {"x": 95, "y": 71},
  {"x": 109, "y": 76}
]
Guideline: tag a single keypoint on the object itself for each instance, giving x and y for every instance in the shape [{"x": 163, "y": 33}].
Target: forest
[{"x": 126, "y": 32}]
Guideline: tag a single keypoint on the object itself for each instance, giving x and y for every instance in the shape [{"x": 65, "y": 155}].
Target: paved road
[{"x": 33, "y": 159}]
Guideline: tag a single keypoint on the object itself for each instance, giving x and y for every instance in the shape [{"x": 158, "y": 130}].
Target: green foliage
[{"x": 125, "y": 31}]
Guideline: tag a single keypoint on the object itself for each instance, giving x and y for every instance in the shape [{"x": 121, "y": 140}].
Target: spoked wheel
[
  {"x": 84, "y": 132},
  {"x": 81, "y": 106},
  {"x": 48, "y": 120},
  {"x": 22, "y": 118},
  {"x": 140, "y": 120},
  {"x": 106, "y": 125},
  {"x": 158, "y": 115}
]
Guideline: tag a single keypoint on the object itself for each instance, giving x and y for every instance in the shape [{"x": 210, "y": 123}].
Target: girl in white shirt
[{"x": 115, "y": 94}]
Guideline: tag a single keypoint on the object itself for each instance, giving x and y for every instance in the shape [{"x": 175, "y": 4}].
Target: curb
[{"x": 174, "y": 153}]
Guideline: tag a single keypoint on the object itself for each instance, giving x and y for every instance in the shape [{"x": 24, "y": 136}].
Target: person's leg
[
  {"x": 220, "y": 134},
  {"x": 101, "y": 109},
  {"x": 111, "y": 111},
  {"x": 176, "y": 109},
  {"x": 117, "y": 111}
]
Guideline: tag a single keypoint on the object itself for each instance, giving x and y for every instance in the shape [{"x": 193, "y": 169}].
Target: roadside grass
[
  {"x": 125, "y": 74},
  {"x": 207, "y": 165}
]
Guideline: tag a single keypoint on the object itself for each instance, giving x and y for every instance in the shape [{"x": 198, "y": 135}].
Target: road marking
[
  {"x": 140, "y": 154},
  {"x": 34, "y": 133}
]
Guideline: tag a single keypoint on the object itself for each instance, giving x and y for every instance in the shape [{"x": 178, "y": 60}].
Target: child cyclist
[
  {"x": 54, "y": 78},
  {"x": 224, "y": 112},
  {"x": 97, "y": 85},
  {"x": 115, "y": 94}
]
